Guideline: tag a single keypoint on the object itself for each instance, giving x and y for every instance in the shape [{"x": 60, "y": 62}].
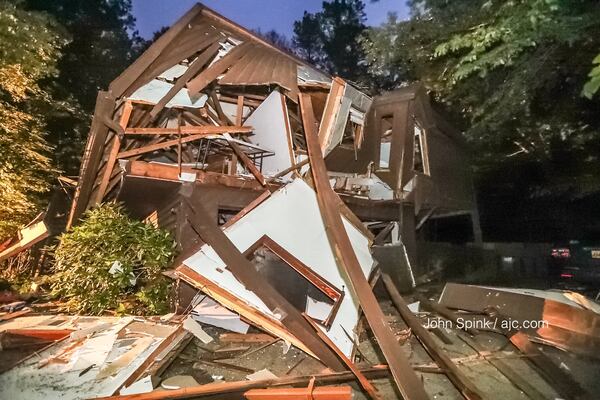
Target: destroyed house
[
  {"x": 410, "y": 167},
  {"x": 237, "y": 146},
  {"x": 208, "y": 102},
  {"x": 213, "y": 103}
]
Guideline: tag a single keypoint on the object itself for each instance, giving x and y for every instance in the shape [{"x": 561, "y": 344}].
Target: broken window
[
  {"x": 353, "y": 132},
  {"x": 420, "y": 156},
  {"x": 303, "y": 288},
  {"x": 386, "y": 142}
]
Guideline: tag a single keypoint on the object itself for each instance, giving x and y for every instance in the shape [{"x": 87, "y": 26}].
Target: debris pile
[{"x": 277, "y": 182}]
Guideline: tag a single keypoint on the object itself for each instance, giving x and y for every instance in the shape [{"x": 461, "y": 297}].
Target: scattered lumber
[
  {"x": 458, "y": 378},
  {"x": 243, "y": 386}
]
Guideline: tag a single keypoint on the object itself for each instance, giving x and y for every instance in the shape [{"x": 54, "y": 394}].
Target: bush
[{"x": 110, "y": 261}]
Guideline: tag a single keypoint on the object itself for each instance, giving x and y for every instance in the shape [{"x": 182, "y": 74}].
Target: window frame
[{"x": 328, "y": 289}]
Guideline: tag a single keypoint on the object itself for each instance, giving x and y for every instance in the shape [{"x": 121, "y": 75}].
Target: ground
[{"x": 457, "y": 344}]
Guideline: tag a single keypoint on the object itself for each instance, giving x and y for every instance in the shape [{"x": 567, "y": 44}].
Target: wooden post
[{"x": 112, "y": 156}]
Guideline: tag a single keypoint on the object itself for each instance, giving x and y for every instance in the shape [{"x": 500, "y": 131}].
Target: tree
[
  {"x": 103, "y": 44},
  {"x": 330, "y": 38},
  {"x": 30, "y": 45},
  {"x": 511, "y": 75},
  {"x": 275, "y": 38},
  {"x": 307, "y": 38},
  {"x": 592, "y": 86}
]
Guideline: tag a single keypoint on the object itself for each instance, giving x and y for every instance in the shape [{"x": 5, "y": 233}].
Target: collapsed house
[
  {"x": 288, "y": 192},
  {"x": 237, "y": 147}
]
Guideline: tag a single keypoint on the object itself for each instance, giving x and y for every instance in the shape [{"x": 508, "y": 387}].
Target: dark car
[{"x": 578, "y": 262}]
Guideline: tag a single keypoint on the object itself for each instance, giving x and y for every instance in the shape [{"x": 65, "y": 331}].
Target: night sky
[{"x": 280, "y": 15}]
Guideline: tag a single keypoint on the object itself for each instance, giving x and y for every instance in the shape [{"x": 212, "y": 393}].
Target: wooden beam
[
  {"x": 245, "y": 272},
  {"x": 520, "y": 382},
  {"x": 256, "y": 317},
  {"x": 456, "y": 376},
  {"x": 214, "y": 100},
  {"x": 211, "y": 73},
  {"x": 407, "y": 381},
  {"x": 232, "y": 337},
  {"x": 129, "y": 76},
  {"x": 158, "y": 146},
  {"x": 247, "y": 162},
  {"x": 112, "y": 155},
  {"x": 255, "y": 203},
  {"x": 332, "y": 107},
  {"x": 94, "y": 149},
  {"x": 560, "y": 380},
  {"x": 192, "y": 70},
  {"x": 190, "y": 130},
  {"x": 239, "y": 116},
  {"x": 242, "y": 386},
  {"x": 288, "y": 170},
  {"x": 176, "y": 336},
  {"x": 364, "y": 382},
  {"x": 319, "y": 393},
  {"x": 171, "y": 173}
]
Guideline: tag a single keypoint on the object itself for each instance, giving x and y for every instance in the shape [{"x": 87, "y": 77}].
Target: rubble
[{"x": 291, "y": 195}]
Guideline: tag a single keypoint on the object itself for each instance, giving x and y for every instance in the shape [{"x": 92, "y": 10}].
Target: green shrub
[{"x": 112, "y": 262}]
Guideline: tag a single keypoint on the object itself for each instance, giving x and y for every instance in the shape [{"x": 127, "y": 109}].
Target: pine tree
[{"x": 330, "y": 38}]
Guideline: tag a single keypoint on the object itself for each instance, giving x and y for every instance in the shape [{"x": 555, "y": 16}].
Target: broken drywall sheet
[
  {"x": 34, "y": 380},
  {"x": 144, "y": 385},
  {"x": 294, "y": 205},
  {"x": 192, "y": 326},
  {"x": 210, "y": 312},
  {"x": 271, "y": 131}
]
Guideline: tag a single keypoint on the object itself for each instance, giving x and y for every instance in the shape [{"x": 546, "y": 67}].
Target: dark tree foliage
[
  {"x": 103, "y": 44},
  {"x": 307, "y": 38},
  {"x": 512, "y": 75},
  {"x": 275, "y": 38},
  {"x": 330, "y": 38},
  {"x": 30, "y": 44}
]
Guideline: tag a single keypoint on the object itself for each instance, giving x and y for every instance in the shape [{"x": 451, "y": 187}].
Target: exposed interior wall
[{"x": 271, "y": 132}]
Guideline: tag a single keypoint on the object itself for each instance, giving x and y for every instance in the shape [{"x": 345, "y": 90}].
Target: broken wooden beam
[
  {"x": 232, "y": 337},
  {"x": 211, "y": 389},
  {"x": 248, "y": 163},
  {"x": 318, "y": 393},
  {"x": 171, "y": 173},
  {"x": 112, "y": 155},
  {"x": 364, "y": 382},
  {"x": 159, "y": 146},
  {"x": 456, "y": 376},
  {"x": 191, "y": 71},
  {"x": 123, "y": 82},
  {"x": 190, "y": 130},
  {"x": 505, "y": 369},
  {"x": 225, "y": 365},
  {"x": 211, "y": 73},
  {"x": 407, "y": 381},
  {"x": 288, "y": 170}
]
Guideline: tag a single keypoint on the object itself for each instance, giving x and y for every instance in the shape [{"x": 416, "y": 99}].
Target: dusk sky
[{"x": 280, "y": 15}]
